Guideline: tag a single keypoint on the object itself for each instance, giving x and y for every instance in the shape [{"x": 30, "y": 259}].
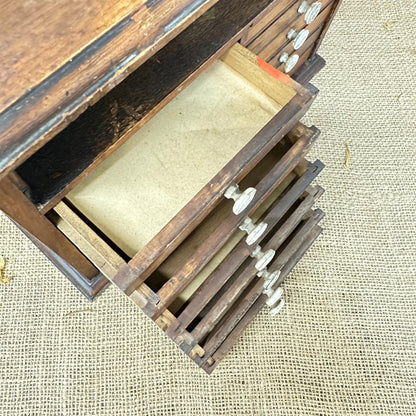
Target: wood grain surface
[{"x": 60, "y": 57}]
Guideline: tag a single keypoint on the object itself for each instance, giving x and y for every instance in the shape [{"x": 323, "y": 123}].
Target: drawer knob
[
  {"x": 298, "y": 38},
  {"x": 277, "y": 308},
  {"x": 254, "y": 231},
  {"x": 290, "y": 61},
  {"x": 311, "y": 10},
  {"x": 270, "y": 279},
  {"x": 263, "y": 258},
  {"x": 242, "y": 199},
  {"x": 274, "y": 297}
]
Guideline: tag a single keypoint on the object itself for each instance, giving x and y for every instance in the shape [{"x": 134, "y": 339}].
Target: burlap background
[{"x": 345, "y": 343}]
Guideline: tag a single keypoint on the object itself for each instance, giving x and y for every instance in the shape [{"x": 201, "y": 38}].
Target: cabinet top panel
[{"x": 58, "y": 56}]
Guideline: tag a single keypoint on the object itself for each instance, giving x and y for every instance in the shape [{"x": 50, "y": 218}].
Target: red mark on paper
[{"x": 271, "y": 70}]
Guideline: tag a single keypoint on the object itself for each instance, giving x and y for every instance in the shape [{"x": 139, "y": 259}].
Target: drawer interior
[{"x": 134, "y": 193}]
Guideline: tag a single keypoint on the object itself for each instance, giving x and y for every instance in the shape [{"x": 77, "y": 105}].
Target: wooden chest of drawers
[{"x": 184, "y": 182}]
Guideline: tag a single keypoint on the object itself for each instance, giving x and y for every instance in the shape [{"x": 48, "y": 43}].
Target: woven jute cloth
[{"x": 345, "y": 344}]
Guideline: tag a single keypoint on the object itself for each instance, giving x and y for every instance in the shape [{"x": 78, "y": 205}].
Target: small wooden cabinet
[{"x": 174, "y": 165}]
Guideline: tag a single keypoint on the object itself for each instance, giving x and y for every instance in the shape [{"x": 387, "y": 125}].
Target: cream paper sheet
[{"x": 134, "y": 193}]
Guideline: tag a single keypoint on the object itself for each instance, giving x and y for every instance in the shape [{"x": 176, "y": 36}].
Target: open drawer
[
  {"x": 203, "y": 293},
  {"x": 151, "y": 193}
]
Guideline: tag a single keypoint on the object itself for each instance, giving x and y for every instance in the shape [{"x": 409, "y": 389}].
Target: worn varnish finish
[{"x": 15, "y": 204}]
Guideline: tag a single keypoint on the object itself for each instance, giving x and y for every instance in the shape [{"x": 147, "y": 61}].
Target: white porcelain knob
[
  {"x": 298, "y": 38},
  {"x": 254, "y": 231},
  {"x": 270, "y": 278},
  {"x": 274, "y": 297},
  {"x": 290, "y": 61},
  {"x": 242, "y": 199},
  {"x": 311, "y": 10},
  {"x": 277, "y": 308},
  {"x": 263, "y": 258}
]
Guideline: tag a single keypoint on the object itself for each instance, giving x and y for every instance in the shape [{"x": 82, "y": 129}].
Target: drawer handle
[
  {"x": 290, "y": 61},
  {"x": 298, "y": 38},
  {"x": 254, "y": 231},
  {"x": 270, "y": 279},
  {"x": 263, "y": 258},
  {"x": 242, "y": 199},
  {"x": 311, "y": 10},
  {"x": 277, "y": 308},
  {"x": 274, "y": 297}
]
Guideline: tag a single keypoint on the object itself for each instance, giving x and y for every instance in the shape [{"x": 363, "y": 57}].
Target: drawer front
[
  {"x": 284, "y": 42},
  {"x": 276, "y": 36},
  {"x": 276, "y": 9},
  {"x": 301, "y": 55},
  {"x": 224, "y": 223}
]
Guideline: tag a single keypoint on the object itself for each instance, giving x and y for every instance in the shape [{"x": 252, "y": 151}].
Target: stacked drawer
[{"x": 290, "y": 32}]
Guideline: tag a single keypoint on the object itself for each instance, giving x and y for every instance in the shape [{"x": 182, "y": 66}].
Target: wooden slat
[
  {"x": 216, "y": 240},
  {"x": 100, "y": 253},
  {"x": 272, "y": 13},
  {"x": 308, "y": 68},
  {"x": 303, "y": 242},
  {"x": 237, "y": 256},
  {"x": 107, "y": 260},
  {"x": 210, "y": 364},
  {"x": 227, "y": 300},
  {"x": 245, "y": 63},
  {"x": 145, "y": 262}
]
